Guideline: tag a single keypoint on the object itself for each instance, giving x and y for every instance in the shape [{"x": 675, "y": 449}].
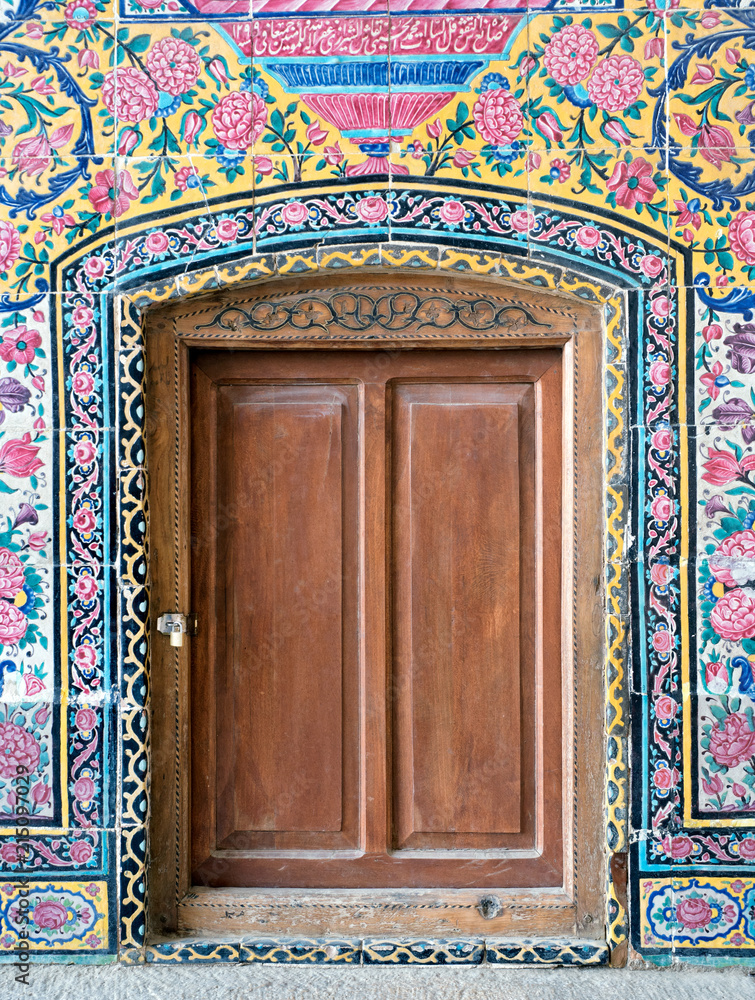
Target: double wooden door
[{"x": 376, "y": 683}]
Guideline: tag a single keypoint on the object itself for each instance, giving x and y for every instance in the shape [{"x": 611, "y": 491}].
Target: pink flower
[
  {"x": 747, "y": 849},
  {"x": 651, "y": 265},
  {"x": 19, "y": 344},
  {"x": 32, "y": 155},
  {"x": 663, "y": 641},
  {"x": 37, "y": 541},
  {"x": 678, "y": 847},
  {"x": 82, "y": 383},
  {"x": 632, "y": 182},
  {"x": 571, "y": 54},
  {"x": 92, "y": 940},
  {"x": 615, "y": 130},
  {"x": 87, "y": 57},
  {"x": 498, "y": 116},
  {"x": 238, "y": 119},
  {"x": 18, "y": 748},
  {"x": 665, "y": 707},
  {"x": 372, "y": 209},
  {"x": 80, "y": 14},
  {"x": 693, "y": 913},
  {"x": 184, "y": 178},
  {"x": 315, "y": 134},
  {"x": 434, "y": 129},
  {"x": 463, "y": 157},
  {"x": 742, "y": 237},
  {"x": 85, "y": 720},
  {"x": 42, "y": 86},
  {"x": 660, "y": 373},
  {"x": 522, "y": 221},
  {"x": 13, "y": 625},
  {"x": 661, "y": 439},
  {"x": 708, "y": 379},
  {"x": 130, "y": 95},
  {"x": 40, "y": 793},
  {"x": 710, "y": 19},
  {"x": 588, "y": 237},
  {"x": 10, "y": 245},
  {"x": 82, "y": 317},
  {"x": 333, "y": 154},
  {"x": 191, "y": 125},
  {"x": 721, "y": 468},
  {"x": 661, "y": 306},
  {"x": 12, "y": 576},
  {"x": 84, "y": 789},
  {"x": 217, "y": 69},
  {"x": 263, "y": 165},
  {"x": 733, "y": 744},
  {"x": 526, "y": 66},
  {"x": 58, "y": 223},
  {"x": 109, "y": 196},
  {"x": 50, "y": 915},
  {"x": 616, "y": 83},
  {"x": 662, "y": 7},
  {"x": 661, "y": 574},
  {"x": 86, "y": 587},
  {"x": 227, "y": 230},
  {"x": 156, "y": 243},
  {"x": 532, "y": 161},
  {"x": 80, "y": 851},
  {"x": 452, "y": 212},
  {"x": 95, "y": 267},
  {"x": 548, "y": 125},
  {"x": 33, "y": 684},
  {"x": 704, "y": 73},
  {"x": 726, "y": 562},
  {"x": 12, "y": 853},
  {"x": 716, "y": 144},
  {"x": 173, "y": 65},
  {"x": 717, "y": 680},
  {"x": 84, "y": 520},
  {"x": 653, "y": 49},
  {"x": 712, "y": 332},
  {"x": 713, "y": 787},
  {"x": 733, "y": 56},
  {"x": 664, "y": 778},
  {"x": 85, "y": 657},
  {"x": 733, "y": 616},
  {"x": 18, "y": 457},
  {"x": 662, "y": 508}
]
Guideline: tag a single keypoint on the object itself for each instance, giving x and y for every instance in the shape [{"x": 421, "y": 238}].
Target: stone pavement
[{"x": 234, "y": 982}]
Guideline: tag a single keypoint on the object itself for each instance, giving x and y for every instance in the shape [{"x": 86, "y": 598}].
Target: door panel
[{"x": 381, "y": 618}]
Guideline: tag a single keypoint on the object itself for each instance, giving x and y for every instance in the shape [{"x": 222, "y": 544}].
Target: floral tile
[{"x": 63, "y": 917}]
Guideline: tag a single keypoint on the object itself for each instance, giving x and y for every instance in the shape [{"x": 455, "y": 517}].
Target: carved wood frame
[{"x": 526, "y": 317}]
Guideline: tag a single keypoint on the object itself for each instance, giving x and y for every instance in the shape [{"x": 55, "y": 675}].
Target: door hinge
[{"x": 177, "y": 625}]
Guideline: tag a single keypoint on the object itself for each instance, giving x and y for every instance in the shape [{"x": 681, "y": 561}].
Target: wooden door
[{"x": 375, "y": 570}]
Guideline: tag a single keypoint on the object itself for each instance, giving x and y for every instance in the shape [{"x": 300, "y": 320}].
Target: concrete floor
[{"x": 232, "y": 982}]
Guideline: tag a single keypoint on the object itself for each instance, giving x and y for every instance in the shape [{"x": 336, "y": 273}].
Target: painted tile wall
[{"x": 142, "y": 141}]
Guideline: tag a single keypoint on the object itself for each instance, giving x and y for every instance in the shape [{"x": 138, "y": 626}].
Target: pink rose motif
[
  {"x": 747, "y": 849},
  {"x": 333, "y": 155},
  {"x": 660, "y": 373},
  {"x": 173, "y": 65},
  {"x": 85, "y": 657},
  {"x": 571, "y": 54},
  {"x": 664, "y": 778},
  {"x": 661, "y": 574},
  {"x": 588, "y": 237},
  {"x": 548, "y": 125},
  {"x": 632, "y": 182},
  {"x": 50, "y": 915},
  {"x": 227, "y": 230},
  {"x": 19, "y": 344},
  {"x": 742, "y": 237},
  {"x": 84, "y": 452},
  {"x": 615, "y": 130},
  {"x": 10, "y": 245},
  {"x": 13, "y": 625},
  {"x": 80, "y": 14},
  {"x": 156, "y": 243},
  {"x": 733, "y": 744},
  {"x": 663, "y": 641},
  {"x": 665, "y": 707},
  {"x": 11, "y": 574},
  {"x": 651, "y": 265},
  {"x": 678, "y": 847},
  {"x": 733, "y": 616},
  {"x": 11, "y": 853},
  {"x": 80, "y": 851},
  {"x": 133, "y": 97},
  {"x": 85, "y": 720},
  {"x": 693, "y": 913},
  {"x": 726, "y": 562},
  {"x": 18, "y": 748},
  {"x": 662, "y": 439},
  {"x": 238, "y": 119},
  {"x": 452, "y": 212},
  {"x": 662, "y": 508},
  {"x": 294, "y": 213},
  {"x": 372, "y": 209},
  {"x": 463, "y": 157},
  {"x": 41, "y": 793},
  {"x": 264, "y": 165},
  {"x": 86, "y": 587},
  {"x": 661, "y": 306},
  {"x": 616, "y": 83},
  {"x": 717, "y": 679},
  {"x": 33, "y": 684},
  {"x": 82, "y": 383},
  {"x": 84, "y": 520},
  {"x": 18, "y": 457},
  {"x": 95, "y": 267},
  {"x": 498, "y": 117},
  {"x": 82, "y": 317},
  {"x": 712, "y": 332},
  {"x": 714, "y": 786},
  {"x": 84, "y": 789},
  {"x": 37, "y": 540},
  {"x": 522, "y": 221},
  {"x": 109, "y": 196}
]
